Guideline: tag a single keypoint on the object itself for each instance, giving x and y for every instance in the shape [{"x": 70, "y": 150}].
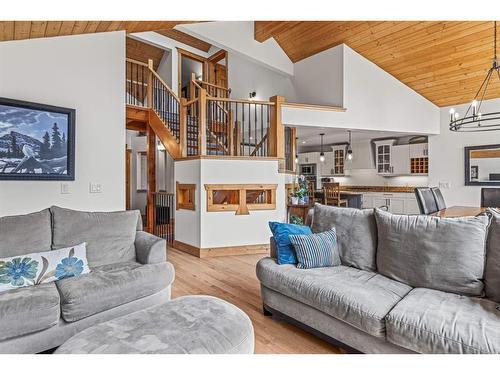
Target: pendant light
[
  {"x": 296, "y": 155},
  {"x": 349, "y": 154},
  {"x": 474, "y": 120},
  {"x": 322, "y": 154}
]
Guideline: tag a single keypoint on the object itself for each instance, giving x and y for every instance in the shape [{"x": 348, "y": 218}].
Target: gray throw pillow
[
  {"x": 356, "y": 234},
  {"x": 492, "y": 272},
  {"x": 109, "y": 236},
  {"x": 446, "y": 254}
]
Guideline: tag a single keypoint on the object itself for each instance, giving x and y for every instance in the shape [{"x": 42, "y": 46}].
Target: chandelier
[{"x": 474, "y": 120}]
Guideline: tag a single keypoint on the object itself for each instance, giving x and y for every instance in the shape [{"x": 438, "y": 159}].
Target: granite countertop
[{"x": 378, "y": 189}]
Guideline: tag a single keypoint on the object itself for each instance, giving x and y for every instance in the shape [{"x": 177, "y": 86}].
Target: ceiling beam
[{"x": 186, "y": 39}]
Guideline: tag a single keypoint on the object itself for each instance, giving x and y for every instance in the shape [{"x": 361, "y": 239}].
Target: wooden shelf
[{"x": 185, "y": 194}]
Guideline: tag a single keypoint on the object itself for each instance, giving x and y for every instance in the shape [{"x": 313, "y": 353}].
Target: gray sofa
[
  {"x": 407, "y": 284},
  {"x": 129, "y": 272}
]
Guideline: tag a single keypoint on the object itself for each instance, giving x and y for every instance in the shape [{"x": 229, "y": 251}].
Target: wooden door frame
[
  {"x": 193, "y": 56},
  {"x": 215, "y": 58}
]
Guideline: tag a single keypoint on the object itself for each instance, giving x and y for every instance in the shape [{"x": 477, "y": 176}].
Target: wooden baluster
[
  {"x": 150, "y": 84},
  {"x": 151, "y": 155}
]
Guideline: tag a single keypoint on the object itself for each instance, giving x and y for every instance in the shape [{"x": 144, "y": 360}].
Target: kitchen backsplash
[{"x": 369, "y": 177}]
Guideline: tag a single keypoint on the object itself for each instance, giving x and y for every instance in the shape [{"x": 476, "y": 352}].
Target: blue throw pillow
[
  {"x": 316, "y": 250},
  {"x": 284, "y": 249}
]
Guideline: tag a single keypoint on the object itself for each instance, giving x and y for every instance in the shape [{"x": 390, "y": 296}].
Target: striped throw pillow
[{"x": 316, "y": 250}]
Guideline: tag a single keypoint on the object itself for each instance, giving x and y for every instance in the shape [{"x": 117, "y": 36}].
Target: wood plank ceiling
[
  {"x": 445, "y": 62},
  {"x": 15, "y": 30}
]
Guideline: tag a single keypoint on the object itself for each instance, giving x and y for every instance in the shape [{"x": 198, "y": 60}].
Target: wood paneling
[
  {"x": 233, "y": 279},
  {"x": 443, "y": 61},
  {"x": 186, "y": 39},
  {"x": 141, "y": 51}
]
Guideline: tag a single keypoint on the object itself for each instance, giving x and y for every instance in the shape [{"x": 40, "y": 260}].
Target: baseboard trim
[{"x": 221, "y": 251}]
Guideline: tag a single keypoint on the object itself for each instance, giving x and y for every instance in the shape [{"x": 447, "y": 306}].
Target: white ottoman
[{"x": 190, "y": 324}]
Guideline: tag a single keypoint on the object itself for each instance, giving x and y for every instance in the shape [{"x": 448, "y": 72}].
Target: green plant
[
  {"x": 301, "y": 191},
  {"x": 295, "y": 219}
]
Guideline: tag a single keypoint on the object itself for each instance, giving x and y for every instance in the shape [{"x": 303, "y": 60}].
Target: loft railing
[
  {"x": 210, "y": 123},
  {"x": 164, "y": 206}
]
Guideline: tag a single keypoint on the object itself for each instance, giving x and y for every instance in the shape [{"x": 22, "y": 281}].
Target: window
[
  {"x": 241, "y": 198},
  {"x": 185, "y": 196}
]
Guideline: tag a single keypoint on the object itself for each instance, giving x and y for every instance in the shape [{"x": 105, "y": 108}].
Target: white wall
[
  {"x": 238, "y": 37},
  {"x": 246, "y": 76},
  {"x": 374, "y": 100},
  {"x": 446, "y": 157},
  {"x": 221, "y": 229},
  {"x": 165, "y": 68},
  {"x": 85, "y": 72},
  {"x": 319, "y": 79},
  {"x": 187, "y": 222}
]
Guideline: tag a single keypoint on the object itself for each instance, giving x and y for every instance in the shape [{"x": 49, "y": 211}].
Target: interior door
[{"x": 217, "y": 70}]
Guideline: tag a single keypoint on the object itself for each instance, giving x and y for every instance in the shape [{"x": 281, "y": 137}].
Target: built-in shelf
[
  {"x": 241, "y": 198},
  {"x": 185, "y": 194}
]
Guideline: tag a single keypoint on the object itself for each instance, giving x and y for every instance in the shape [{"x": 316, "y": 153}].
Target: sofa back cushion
[
  {"x": 356, "y": 234},
  {"x": 446, "y": 254},
  {"x": 24, "y": 234},
  {"x": 109, "y": 236},
  {"x": 492, "y": 272}
]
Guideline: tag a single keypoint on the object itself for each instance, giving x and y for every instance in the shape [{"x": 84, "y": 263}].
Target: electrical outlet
[
  {"x": 444, "y": 185},
  {"x": 95, "y": 187},
  {"x": 65, "y": 188}
]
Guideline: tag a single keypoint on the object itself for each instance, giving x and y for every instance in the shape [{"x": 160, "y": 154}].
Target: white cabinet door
[
  {"x": 411, "y": 206},
  {"x": 383, "y": 155},
  {"x": 367, "y": 201},
  {"x": 419, "y": 150},
  {"x": 326, "y": 168},
  {"x": 397, "y": 205},
  {"x": 379, "y": 201},
  {"x": 400, "y": 159}
]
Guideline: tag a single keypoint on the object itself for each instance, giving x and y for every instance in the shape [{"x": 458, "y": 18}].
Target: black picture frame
[
  {"x": 468, "y": 180},
  {"x": 68, "y": 148}
]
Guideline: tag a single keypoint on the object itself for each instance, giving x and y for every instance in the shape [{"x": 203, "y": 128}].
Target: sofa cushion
[
  {"x": 492, "y": 271},
  {"x": 356, "y": 234},
  {"x": 23, "y": 234},
  {"x": 28, "y": 310},
  {"x": 285, "y": 253},
  {"x": 446, "y": 254},
  {"x": 110, "y": 286},
  {"x": 109, "y": 236},
  {"x": 357, "y": 297},
  {"x": 431, "y": 321}
]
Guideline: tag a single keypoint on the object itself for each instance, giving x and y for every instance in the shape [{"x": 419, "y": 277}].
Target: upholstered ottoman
[{"x": 190, "y": 324}]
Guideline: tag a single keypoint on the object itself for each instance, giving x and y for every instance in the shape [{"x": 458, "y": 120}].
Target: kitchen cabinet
[
  {"x": 309, "y": 158},
  {"x": 326, "y": 168},
  {"x": 397, "y": 203},
  {"x": 393, "y": 160}
]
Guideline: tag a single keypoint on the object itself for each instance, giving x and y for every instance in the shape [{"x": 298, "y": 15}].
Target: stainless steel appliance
[{"x": 308, "y": 169}]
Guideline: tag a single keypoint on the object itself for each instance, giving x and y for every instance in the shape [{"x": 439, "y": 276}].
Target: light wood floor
[{"x": 233, "y": 279}]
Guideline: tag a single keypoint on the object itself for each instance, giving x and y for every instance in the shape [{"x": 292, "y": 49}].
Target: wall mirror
[{"x": 482, "y": 165}]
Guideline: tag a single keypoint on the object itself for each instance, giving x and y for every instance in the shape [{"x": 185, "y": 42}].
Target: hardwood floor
[{"x": 233, "y": 279}]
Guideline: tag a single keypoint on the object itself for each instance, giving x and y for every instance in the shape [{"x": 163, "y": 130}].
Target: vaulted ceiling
[{"x": 445, "y": 62}]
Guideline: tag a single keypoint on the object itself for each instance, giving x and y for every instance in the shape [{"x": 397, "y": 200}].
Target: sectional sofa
[
  {"x": 407, "y": 284},
  {"x": 129, "y": 272}
]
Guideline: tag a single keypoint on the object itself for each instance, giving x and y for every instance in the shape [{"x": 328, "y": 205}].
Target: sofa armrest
[{"x": 150, "y": 248}]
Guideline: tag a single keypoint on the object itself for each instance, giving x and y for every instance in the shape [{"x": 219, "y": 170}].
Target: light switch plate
[
  {"x": 95, "y": 187},
  {"x": 65, "y": 188}
]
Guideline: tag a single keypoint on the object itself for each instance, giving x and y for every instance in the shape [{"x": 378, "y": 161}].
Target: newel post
[
  {"x": 276, "y": 129},
  {"x": 183, "y": 127},
  {"x": 202, "y": 122},
  {"x": 150, "y": 83}
]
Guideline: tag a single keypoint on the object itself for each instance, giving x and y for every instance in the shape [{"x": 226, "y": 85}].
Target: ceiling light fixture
[
  {"x": 322, "y": 154},
  {"x": 474, "y": 120},
  {"x": 296, "y": 155},
  {"x": 349, "y": 154}
]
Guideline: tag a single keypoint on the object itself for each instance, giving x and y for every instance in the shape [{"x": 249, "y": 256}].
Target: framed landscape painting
[{"x": 37, "y": 141}]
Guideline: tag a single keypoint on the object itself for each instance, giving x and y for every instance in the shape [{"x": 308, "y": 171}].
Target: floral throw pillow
[{"x": 44, "y": 267}]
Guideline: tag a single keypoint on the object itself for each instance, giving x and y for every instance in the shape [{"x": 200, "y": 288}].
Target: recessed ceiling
[{"x": 445, "y": 62}]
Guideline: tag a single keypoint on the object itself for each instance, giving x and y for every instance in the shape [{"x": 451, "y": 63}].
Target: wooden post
[
  {"x": 202, "y": 122},
  {"x": 150, "y": 83},
  {"x": 183, "y": 127},
  {"x": 293, "y": 149},
  {"x": 230, "y": 133},
  {"x": 238, "y": 138},
  {"x": 151, "y": 154},
  {"x": 276, "y": 129}
]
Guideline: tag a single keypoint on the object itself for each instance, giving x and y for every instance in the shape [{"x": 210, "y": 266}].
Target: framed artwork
[{"x": 37, "y": 141}]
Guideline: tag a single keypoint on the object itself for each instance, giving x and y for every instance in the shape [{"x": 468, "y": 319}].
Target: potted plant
[{"x": 300, "y": 194}]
